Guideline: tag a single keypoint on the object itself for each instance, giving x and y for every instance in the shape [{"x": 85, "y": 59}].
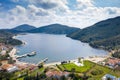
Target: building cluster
[
  {"x": 4, "y": 47},
  {"x": 113, "y": 62},
  {"x": 9, "y": 68},
  {"x": 5, "y": 64}
]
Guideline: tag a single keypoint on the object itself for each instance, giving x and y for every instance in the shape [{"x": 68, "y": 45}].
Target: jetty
[
  {"x": 21, "y": 56},
  {"x": 31, "y": 54},
  {"x": 42, "y": 61},
  {"x": 27, "y": 54}
]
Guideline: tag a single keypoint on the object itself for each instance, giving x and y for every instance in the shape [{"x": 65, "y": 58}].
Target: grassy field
[
  {"x": 87, "y": 65},
  {"x": 104, "y": 69},
  {"x": 88, "y": 68}
]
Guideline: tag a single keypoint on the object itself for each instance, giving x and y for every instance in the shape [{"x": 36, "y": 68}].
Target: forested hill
[
  {"x": 6, "y": 38},
  {"x": 55, "y": 29},
  {"x": 7, "y": 34},
  {"x": 23, "y": 28},
  {"x": 104, "y": 34}
]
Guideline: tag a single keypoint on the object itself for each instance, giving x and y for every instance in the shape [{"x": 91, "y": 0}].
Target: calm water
[{"x": 54, "y": 47}]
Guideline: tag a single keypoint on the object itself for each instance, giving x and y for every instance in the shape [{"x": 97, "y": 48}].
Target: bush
[
  {"x": 59, "y": 67},
  {"x": 116, "y": 54},
  {"x": 97, "y": 72}
]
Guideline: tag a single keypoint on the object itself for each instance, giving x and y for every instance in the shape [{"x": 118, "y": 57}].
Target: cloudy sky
[{"x": 76, "y": 13}]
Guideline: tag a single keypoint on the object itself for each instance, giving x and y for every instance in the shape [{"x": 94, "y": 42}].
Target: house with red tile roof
[
  {"x": 57, "y": 74},
  {"x": 4, "y": 62},
  {"x": 112, "y": 62},
  {"x": 9, "y": 67}
]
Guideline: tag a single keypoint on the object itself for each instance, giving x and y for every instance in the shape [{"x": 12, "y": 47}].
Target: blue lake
[{"x": 54, "y": 47}]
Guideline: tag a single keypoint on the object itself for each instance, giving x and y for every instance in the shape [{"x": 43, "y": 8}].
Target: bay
[{"x": 55, "y": 48}]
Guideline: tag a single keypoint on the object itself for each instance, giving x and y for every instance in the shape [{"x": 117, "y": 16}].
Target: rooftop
[
  {"x": 113, "y": 61},
  {"x": 6, "y": 66}
]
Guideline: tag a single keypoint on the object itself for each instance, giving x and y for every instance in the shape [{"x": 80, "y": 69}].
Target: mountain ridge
[
  {"x": 54, "y": 29},
  {"x": 100, "y": 33},
  {"x": 23, "y": 28}
]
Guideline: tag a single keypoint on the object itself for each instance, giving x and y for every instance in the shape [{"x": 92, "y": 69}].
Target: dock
[
  {"x": 21, "y": 56},
  {"x": 27, "y": 54},
  {"x": 31, "y": 54},
  {"x": 42, "y": 61}
]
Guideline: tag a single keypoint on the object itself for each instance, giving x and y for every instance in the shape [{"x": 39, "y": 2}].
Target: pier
[
  {"x": 42, "y": 61},
  {"x": 21, "y": 56},
  {"x": 27, "y": 54}
]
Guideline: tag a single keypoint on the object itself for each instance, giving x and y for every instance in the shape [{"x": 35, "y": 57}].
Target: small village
[
  {"x": 81, "y": 67},
  {"x": 59, "y": 39}
]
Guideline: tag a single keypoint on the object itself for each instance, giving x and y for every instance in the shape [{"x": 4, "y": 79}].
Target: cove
[{"x": 55, "y": 48}]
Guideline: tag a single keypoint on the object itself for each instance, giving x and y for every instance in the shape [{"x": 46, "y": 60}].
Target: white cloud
[
  {"x": 83, "y": 4},
  {"x": 18, "y": 10},
  {"x": 85, "y": 14},
  {"x": 48, "y": 4},
  {"x": 32, "y": 9}
]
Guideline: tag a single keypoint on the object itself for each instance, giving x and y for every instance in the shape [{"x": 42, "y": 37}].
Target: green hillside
[
  {"x": 104, "y": 34},
  {"x": 55, "y": 29},
  {"x": 23, "y": 28},
  {"x": 6, "y": 37}
]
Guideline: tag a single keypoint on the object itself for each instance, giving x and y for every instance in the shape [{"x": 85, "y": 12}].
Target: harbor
[
  {"x": 17, "y": 57},
  {"x": 45, "y": 49},
  {"x": 44, "y": 60}
]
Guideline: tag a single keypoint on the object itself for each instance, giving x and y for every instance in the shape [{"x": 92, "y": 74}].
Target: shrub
[{"x": 97, "y": 72}]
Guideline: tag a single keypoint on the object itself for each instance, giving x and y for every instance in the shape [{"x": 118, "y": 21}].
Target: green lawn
[
  {"x": 105, "y": 70},
  {"x": 87, "y": 65}
]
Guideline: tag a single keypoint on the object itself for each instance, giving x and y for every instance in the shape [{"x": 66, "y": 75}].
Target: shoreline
[
  {"x": 12, "y": 54},
  {"x": 99, "y": 48},
  {"x": 54, "y": 63},
  {"x": 94, "y": 59},
  {"x": 23, "y": 42}
]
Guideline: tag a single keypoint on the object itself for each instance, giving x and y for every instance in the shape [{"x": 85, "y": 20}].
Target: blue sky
[
  {"x": 75, "y": 13},
  {"x": 107, "y": 3}
]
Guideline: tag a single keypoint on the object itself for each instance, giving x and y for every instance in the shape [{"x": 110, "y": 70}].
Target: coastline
[
  {"x": 12, "y": 54},
  {"x": 94, "y": 59},
  {"x": 98, "y": 47},
  {"x": 23, "y": 42},
  {"x": 54, "y": 63}
]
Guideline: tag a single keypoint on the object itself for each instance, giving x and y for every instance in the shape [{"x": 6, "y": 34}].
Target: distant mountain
[
  {"x": 105, "y": 34},
  {"x": 23, "y": 28},
  {"x": 55, "y": 29},
  {"x": 7, "y": 34}
]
